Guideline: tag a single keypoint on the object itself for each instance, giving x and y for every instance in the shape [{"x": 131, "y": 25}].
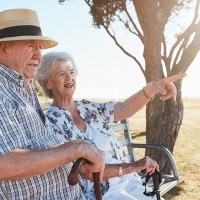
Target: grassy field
[{"x": 186, "y": 151}]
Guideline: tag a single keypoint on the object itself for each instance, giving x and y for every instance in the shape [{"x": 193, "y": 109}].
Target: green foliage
[
  {"x": 104, "y": 11},
  {"x": 38, "y": 89}
]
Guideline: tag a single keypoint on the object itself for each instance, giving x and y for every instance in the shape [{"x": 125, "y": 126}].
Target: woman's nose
[{"x": 68, "y": 77}]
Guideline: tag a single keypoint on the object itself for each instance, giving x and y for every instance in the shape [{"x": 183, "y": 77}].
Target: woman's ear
[{"x": 47, "y": 84}]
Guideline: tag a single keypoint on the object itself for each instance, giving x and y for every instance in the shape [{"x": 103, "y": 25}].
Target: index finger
[
  {"x": 157, "y": 168},
  {"x": 173, "y": 78},
  {"x": 101, "y": 175}
]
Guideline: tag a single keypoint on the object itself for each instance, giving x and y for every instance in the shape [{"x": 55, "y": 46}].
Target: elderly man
[{"x": 33, "y": 162}]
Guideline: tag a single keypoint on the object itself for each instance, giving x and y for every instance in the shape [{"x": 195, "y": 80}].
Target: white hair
[{"x": 49, "y": 62}]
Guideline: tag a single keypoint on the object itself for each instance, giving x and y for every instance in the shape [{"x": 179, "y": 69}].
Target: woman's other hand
[{"x": 147, "y": 164}]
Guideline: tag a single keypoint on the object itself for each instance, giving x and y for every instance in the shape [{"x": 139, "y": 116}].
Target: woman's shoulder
[
  {"x": 83, "y": 101},
  {"x": 56, "y": 111},
  {"x": 86, "y": 104}
]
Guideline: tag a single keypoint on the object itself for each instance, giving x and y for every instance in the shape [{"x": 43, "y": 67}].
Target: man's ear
[{"x": 3, "y": 47}]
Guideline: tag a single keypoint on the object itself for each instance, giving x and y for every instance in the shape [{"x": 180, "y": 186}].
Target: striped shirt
[{"x": 23, "y": 125}]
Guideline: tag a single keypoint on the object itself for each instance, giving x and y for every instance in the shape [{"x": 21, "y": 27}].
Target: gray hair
[{"x": 49, "y": 62}]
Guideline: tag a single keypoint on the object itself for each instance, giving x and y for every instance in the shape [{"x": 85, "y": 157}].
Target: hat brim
[{"x": 47, "y": 42}]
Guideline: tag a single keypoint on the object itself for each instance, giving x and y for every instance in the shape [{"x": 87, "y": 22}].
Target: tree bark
[
  {"x": 163, "y": 121},
  {"x": 163, "y": 118}
]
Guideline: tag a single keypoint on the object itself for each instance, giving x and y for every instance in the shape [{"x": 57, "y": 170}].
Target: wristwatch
[{"x": 120, "y": 171}]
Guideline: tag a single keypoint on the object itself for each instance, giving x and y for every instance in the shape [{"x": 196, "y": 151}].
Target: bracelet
[
  {"x": 120, "y": 170},
  {"x": 147, "y": 97}
]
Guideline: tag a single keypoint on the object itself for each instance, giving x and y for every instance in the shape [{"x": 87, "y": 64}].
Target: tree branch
[
  {"x": 127, "y": 25},
  {"x": 164, "y": 56},
  {"x": 188, "y": 31},
  {"x": 189, "y": 53},
  {"x": 126, "y": 52},
  {"x": 182, "y": 47},
  {"x": 139, "y": 34}
]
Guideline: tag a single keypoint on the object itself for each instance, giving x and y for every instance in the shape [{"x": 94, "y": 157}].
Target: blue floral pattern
[{"x": 98, "y": 116}]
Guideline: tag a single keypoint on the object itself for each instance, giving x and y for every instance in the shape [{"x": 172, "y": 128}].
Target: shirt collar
[{"x": 13, "y": 76}]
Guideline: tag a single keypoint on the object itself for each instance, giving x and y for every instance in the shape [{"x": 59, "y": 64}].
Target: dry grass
[{"x": 187, "y": 154}]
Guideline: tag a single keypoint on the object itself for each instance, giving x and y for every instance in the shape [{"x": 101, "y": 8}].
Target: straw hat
[{"x": 22, "y": 24}]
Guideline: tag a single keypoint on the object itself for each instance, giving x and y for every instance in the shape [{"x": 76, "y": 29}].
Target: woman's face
[{"x": 62, "y": 81}]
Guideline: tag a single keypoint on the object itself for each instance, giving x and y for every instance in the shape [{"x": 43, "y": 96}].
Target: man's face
[{"x": 24, "y": 57}]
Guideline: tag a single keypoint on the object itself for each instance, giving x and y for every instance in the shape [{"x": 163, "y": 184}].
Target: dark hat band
[{"x": 24, "y": 30}]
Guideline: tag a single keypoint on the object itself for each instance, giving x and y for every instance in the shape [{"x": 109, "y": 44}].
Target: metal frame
[{"x": 168, "y": 181}]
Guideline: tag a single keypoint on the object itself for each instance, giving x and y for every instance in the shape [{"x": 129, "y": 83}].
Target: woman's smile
[{"x": 69, "y": 85}]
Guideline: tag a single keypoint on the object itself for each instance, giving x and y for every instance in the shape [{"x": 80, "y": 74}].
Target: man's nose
[{"x": 38, "y": 50}]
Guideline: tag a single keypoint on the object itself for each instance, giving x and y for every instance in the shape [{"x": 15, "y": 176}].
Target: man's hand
[
  {"x": 96, "y": 158},
  {"x": 85, "y": 174}
]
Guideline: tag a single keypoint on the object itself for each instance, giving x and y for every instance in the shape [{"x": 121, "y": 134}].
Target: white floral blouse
[
  {"x": 98, "y": 132},
  {"x": 97, "y": 116}
]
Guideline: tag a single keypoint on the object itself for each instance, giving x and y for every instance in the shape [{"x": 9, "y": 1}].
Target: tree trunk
[
  {"x": 163, "y": 118},
  {"x": 163, "y": 121}
]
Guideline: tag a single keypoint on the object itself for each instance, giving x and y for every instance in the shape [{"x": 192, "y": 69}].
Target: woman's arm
[
  {"x": 134, "y": 103},
  {"x": 130, "y": 106},
  {"x": 112, "y": 170}
]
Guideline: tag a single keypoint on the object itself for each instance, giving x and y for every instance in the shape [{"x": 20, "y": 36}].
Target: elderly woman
[{"x": 89, "y": 121}]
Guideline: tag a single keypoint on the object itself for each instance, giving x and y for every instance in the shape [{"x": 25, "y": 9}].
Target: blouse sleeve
[{"x": 105, "y": 111}]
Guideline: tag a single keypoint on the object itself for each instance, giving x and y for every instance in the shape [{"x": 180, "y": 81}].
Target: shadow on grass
[
  {"x": 176, "y": 191},
  {"x": 137, "y": 135}
]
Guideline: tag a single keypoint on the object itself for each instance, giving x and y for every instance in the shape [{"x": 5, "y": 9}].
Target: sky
[{"x": 104, "y": 70}]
